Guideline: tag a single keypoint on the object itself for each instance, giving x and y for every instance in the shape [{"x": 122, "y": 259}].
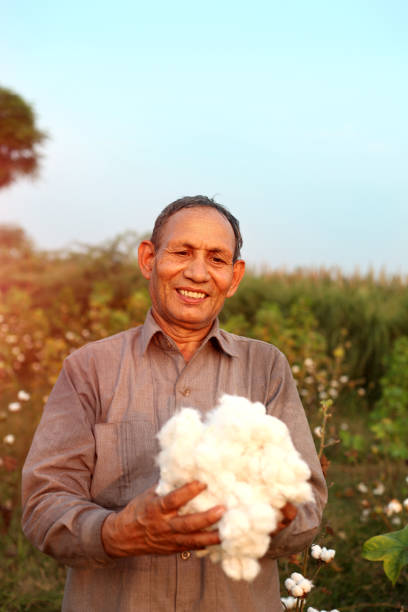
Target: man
[{"x": 89, "y": 479}]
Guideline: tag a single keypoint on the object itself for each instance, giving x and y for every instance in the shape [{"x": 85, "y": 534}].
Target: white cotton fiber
[{"x": 249, "y": 464}]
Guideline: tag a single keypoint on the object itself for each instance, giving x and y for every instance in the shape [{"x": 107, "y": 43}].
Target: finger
[
  {"x": 196, "y": 541},
  {"x": 199, "y": 520},
  {"x": 289, "y": 512},
  {"x": 179, "y": 497}
]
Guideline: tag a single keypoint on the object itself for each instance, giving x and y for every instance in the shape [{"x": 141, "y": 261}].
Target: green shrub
[{"x": 389, "y": 420}]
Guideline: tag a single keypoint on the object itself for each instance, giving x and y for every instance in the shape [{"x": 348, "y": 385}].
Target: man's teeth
[{"x": 192, "y": 294}]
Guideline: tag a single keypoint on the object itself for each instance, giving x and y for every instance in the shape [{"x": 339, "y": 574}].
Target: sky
[{"x": 293, "y": 115}]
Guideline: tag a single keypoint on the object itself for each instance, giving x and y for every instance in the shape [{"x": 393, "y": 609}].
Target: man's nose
[{"x": 197, "y": 269}]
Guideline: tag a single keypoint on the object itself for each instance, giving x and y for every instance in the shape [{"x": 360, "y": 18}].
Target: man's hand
[
  {"x": 289, "y": 512},
  {"x": 150, "y": 524}
]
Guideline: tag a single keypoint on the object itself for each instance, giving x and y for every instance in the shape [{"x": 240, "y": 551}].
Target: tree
[
  {"x": 14, "y": 239},
  {"x": 19, "y": 138}
]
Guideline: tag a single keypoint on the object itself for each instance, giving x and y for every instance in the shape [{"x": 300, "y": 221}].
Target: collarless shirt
[{"x": 95, "y": 449}]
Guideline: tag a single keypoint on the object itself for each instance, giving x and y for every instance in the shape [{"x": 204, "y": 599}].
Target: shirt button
[
  {"x": 186, "y": 392},
  {"x": 185, "y": 555}
]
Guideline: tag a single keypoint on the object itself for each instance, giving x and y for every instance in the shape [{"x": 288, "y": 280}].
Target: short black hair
[{"x": 198, "y": 201}]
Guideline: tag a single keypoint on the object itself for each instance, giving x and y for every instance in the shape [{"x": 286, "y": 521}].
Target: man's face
[{"x": 192, "y": 271}]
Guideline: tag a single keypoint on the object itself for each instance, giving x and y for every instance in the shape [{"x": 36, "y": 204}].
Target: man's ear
[
  {"x": 146, "y": 255},
  {"x": 238, "y": 273}
]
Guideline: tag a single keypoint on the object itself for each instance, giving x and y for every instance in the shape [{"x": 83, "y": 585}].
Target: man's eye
[
  {"x": 218, "y": 260},
  {"x": 181, "y": 252}
]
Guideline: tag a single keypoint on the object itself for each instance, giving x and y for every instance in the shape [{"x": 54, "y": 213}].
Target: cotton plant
[
  {"x": 322, "y": 553},
  {"x": 393, "y": 507},
  {"x": 22, "y": 396},
  {"x": 389, "y": 512},
  {"x": 289, "y": 603},
  {"x": 249, "y": 464},
  {"x": 13, "y": 407},
  {"x": 298, "y": 586}
]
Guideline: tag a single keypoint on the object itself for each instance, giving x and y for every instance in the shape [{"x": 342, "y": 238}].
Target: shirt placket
[{"x": 187, "y": 565}]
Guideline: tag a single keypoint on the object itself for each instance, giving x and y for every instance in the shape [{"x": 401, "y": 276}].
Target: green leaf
[{"x": 392, "y": 548}]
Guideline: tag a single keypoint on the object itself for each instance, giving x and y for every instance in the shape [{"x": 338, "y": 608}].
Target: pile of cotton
[{"x": 249, "y": 464}]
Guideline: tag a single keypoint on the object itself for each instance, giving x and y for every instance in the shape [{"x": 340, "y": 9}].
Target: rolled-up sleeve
[
  {"x": 59, "y": 516},
  {"x": 284, "y": 403}
]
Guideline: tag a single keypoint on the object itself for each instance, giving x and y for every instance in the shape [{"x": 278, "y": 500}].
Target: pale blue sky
[{"x": 294, "y": 115}]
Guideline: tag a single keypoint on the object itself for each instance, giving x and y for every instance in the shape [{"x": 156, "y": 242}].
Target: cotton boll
[
  {"x": 254, "y": 466},
  {"x": 240, "y": 569},
  {"x": 327, "y": 555},
  {"x": 206, "y": 457},
  {"x": 233, "y": 414},
  {"x": 297, "y": 591},
  {"x": 202, "y": 502},
  {"x": 256, "y": 546},
  {"x": 176, "y": 476},
  {"x": 234, "y": 523},
  {"x": 176, "y": 461},
  {"x": 265, "y": 429},
  {"x": 285, "y": 476},
  {"x": 213, "y": 552},
  {"x": 231, "y": 500},
  {"x": 289, "y": 602},
  {"x": 235, "y": 498},
  {"x": 248, "y": 544},
  {"x": 235, "y": 406},
  {"x": 316, "y": 551},
  {"x": 186, "y": 423},
  {"x": 262, "y": 517},
  {"x": 249, "y": 464},
  {"x": 299, "y": 469},
  {"x": 262, "y": 493},
  {"x": 305, "y": 585},
  {"x": 226, "y": 481},
  {"x": 289, "y": 583},
  {"x": 232, "y": 566},
  {"x": 250, "y": 569},
  {"x": 298, "y": 493},
  {"x": 184, "y": 465},
  {"x": 216, "y": 554},
  {"x": 174, "y": 469},
  {"x": 243, "y": 492},
  {"x": 231, "y": 457},
  {"x": 260, "y": 434},
  {"x": 279, "y": 432},
  {"x": 270, "y": 461},
  {"x": 278, "y": 497}
]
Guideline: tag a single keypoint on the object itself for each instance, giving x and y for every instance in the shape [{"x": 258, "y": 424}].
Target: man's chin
[
  {"x": 189, "y": 319},
  {"x": 194, "y": 322}
]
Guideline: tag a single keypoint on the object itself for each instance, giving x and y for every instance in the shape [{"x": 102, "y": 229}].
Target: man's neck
[{"x": 187, "y": 340}]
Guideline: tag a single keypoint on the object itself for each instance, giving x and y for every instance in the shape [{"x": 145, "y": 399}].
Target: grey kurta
[{"x": 94, "y": 451}]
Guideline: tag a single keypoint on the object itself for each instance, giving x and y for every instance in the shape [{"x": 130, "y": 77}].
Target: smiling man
[
  {"x": 192, "y": 266},
  {"x": 89, "y": 479}
]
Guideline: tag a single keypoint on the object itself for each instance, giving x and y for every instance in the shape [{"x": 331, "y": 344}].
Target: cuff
[{"x": 91, "y": 538}]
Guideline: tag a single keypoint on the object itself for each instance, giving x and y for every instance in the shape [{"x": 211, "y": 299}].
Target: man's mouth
[{"x": 192, "y": 294}]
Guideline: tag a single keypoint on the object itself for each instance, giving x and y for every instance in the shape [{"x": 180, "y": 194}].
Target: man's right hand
[{"x": 151, "y": 524}]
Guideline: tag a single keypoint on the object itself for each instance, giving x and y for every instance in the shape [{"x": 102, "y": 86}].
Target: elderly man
[{"x": 89, "y": 479}]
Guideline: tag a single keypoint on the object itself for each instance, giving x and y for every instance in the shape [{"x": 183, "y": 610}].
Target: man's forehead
[
  {"x": 206, "y": 245},
  {"x": 194, "y": 226}
]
